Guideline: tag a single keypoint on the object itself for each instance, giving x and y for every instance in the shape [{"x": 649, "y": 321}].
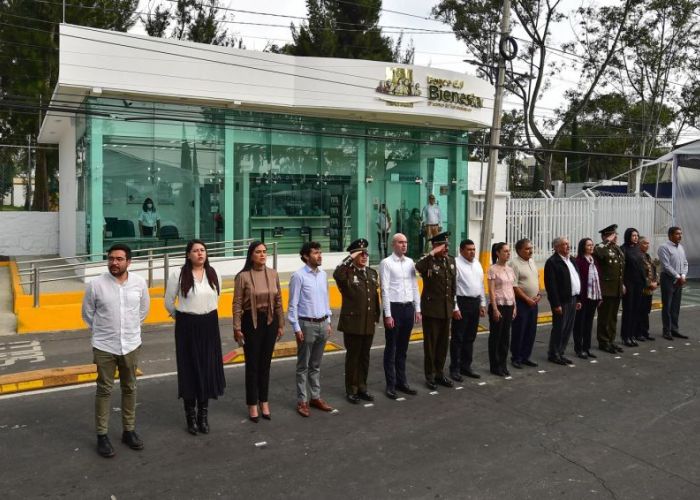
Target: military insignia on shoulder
[{"x": 355, "y": 281}]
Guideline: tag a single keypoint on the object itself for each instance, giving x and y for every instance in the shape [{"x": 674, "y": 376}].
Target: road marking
[{"x": 22, "y": 350}]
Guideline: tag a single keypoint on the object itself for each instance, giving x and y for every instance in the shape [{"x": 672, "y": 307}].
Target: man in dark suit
[
  {"x": 563, "y": 285},
  {"x": 437, "y": 303},
  {"x": 359, "y": 287}
]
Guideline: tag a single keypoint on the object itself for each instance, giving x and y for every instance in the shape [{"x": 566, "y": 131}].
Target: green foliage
[
  {"x": 29, "y": 67},
  {"x": 192, "y": 20},
  {"x": 347, "y": 30}
]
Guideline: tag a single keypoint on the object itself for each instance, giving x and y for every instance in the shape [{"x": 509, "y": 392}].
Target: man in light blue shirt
[
  {"x": 309, "y": 313},
  {"x": 674, "y": 267}
]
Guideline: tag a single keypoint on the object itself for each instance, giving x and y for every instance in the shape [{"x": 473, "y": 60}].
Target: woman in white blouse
[
  {"x": 192, "y": 297},
  {"x": 149, "y": 220}
]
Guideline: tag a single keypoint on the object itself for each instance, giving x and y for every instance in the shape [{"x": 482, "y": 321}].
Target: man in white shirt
[
  {"x": 401, "y": 304},
  {"x": 114, "y": 306},
  {"x": 432, "y": 220},
  {"x": 470, "y": 306}
]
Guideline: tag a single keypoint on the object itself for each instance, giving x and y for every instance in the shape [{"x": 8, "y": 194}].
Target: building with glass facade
[{"x": 228, "y": 144}]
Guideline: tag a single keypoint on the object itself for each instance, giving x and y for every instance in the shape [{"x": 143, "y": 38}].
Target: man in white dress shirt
[
  {"x": 114, "y": 306},
  {"x": 432, "y": 220},
  {"x": 401, "y": 304},
  {"x": 469, "y": 307}
]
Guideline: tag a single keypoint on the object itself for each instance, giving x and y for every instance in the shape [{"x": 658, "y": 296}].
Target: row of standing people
[{"x": 450, "y": 305}]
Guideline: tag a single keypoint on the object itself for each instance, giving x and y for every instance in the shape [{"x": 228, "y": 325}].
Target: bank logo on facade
[
  {"x": 398, "y": 88},
  {"x": 447, "y": 93}
]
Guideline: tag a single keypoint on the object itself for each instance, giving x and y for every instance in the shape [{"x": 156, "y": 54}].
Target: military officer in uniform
[
  {"x": 611, "y": 260},
  {"x": 359, "y": 287},
  {"x": 437, "y": 302}
]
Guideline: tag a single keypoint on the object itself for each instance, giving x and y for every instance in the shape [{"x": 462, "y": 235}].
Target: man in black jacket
[{"x": 563, "y": 285}]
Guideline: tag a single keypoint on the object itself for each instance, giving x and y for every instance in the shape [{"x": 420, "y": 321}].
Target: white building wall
[{"x": 28, "y": 233}]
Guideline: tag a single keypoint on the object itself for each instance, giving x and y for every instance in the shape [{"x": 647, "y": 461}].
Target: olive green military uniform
[
  {"x": 437, "y": 301},
  {"x": 358, "y": 316},
  {"x": 611, "y": 260}
]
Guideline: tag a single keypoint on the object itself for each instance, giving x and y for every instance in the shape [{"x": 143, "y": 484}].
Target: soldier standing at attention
[
  {"x": 359, "y": 287},
  {"x": 438, "y": 271},
  {"x": 612, "y": 264}
]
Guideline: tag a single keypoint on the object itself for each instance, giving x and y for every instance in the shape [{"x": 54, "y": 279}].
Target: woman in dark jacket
[
  {"x": 634, "y": 279},
  {"x": 590, "y": 298}
]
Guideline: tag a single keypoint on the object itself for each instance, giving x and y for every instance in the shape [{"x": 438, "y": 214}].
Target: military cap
[
  {"x": 440, "y": 238},
  {"x": 608, "y": 230},
  {"x": 359, "y": 244}
]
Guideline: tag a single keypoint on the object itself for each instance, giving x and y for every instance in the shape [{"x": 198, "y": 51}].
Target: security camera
[
  {"x": 369, "y": 180},
  {"x": 419, "y": 180}
]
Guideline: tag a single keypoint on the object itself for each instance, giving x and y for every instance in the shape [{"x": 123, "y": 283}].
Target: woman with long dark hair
[
  {"x": 590, "y": 297},
  {"x": 501, "y": 307},
  {"x": 258, "y": 322},
  {"x": 634, "y": 279},
  {"x": 192, "y": 297}
]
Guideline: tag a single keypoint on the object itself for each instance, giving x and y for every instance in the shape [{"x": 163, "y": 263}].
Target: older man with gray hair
[{"x": 563, "y": 285}]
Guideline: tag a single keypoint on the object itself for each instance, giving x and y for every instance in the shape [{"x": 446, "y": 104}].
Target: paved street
[{"x": 618, "y": 428}]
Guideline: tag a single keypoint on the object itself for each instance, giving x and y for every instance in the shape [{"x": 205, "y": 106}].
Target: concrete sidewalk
[{"x": 8, "y": 320}]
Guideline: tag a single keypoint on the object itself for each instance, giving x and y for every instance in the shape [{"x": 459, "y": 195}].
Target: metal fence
[{"x": 543, "y": 219}]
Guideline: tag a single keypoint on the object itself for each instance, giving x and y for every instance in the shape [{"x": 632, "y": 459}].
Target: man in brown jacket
[
  {"x": 359, "y": 287},
  {"x": 437, "y": 302}
]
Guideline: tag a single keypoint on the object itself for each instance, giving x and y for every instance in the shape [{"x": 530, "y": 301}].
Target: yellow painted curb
[
  {"x": 285, "y": 349},
  {"x": 52, "y": 377}
]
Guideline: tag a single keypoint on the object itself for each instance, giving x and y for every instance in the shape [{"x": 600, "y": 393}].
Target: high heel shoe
[
  {"x": 266, "y": 416},
  {"x": 252, "y": 418}
]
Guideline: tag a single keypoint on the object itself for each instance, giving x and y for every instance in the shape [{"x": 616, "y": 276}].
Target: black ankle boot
[
  {"x": 202, "y": 414},
  {"x": 191, "y": 417}
]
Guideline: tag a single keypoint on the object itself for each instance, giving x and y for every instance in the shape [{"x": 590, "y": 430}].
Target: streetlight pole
[{"x": 487, "y": 223}]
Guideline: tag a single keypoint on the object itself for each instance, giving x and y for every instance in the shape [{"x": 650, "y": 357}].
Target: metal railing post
[
  {"x": 274, "y": 255},
  {"x": 37, "y": 286},
  {"x": 166, "y": 271},
  {"x": 150, "y": 268}
]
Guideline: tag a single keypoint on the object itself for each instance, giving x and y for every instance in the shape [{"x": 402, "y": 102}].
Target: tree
[
  {"x": 600, "y": 29},
  {"x": 347, "y": 30},
  {"x": 29, "y": 71},
  {"x": 193, "y": 20}
]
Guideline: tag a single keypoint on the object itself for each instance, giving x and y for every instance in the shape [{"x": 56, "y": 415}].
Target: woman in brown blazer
[{"x": 258, "y": 321}]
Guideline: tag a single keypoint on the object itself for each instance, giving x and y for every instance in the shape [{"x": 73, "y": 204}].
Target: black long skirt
[{"x": 200, "y": 367}]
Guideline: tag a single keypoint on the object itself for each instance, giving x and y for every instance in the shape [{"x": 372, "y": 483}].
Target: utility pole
[
  {"x": 487, "y": 223},
  {"x": 28, "y": 194}
]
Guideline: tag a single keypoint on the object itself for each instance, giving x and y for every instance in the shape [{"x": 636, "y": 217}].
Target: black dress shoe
[
  {"x": 679, "y": 335},
  {"x": 456, "y": 377},
  {"x": 391, "y": 394},
  {"x": 582, "y": 355},
  {"x": 618, "y": 348},
  {"x": 104, "y": 446},
  {"x": 627, "y": 343},
  {"x": 353, "y": 398},
  {"x": 566, "y": 360},
  {"x": 634, "y": 343},
  {"x": 527, "y": 362},
  {"x": 556, "y": 360},
  {"x": 407, "y": 389},
  {"x": 431, "y": 385},
  {"x": 498, "y": 373},
  {"x": 516, "y": 364},
  {"x": 444, "y": 381},
  {"x": 667, "y": 336},
  {"x": 470, "y": 374},
  {"x": 649, "y": 337},
  {"x": 591, "y": 355},
  {"x": 132, "y": 440},
  {"x": 609, "y": 349},
  {"x": 505, "y": 372},
  {"x": 365, "y": 395}
]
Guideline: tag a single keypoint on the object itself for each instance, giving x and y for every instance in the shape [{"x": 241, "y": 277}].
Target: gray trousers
[
  {"x": 670, "y": 303},
  {"x": 562, "y": 326},
  {"x": 309, "y": 355}
]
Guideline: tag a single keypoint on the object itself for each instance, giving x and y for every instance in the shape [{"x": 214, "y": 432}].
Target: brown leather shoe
[
  {"x": 303, "y": 409},
  {"x": 320, "y": 404}
]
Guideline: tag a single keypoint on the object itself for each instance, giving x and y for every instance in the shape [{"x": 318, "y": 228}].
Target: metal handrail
[
  {"x": 35, "y": 271},
  {"x": 137, "y": 250},
  {"x": 218, "y": 246}
]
